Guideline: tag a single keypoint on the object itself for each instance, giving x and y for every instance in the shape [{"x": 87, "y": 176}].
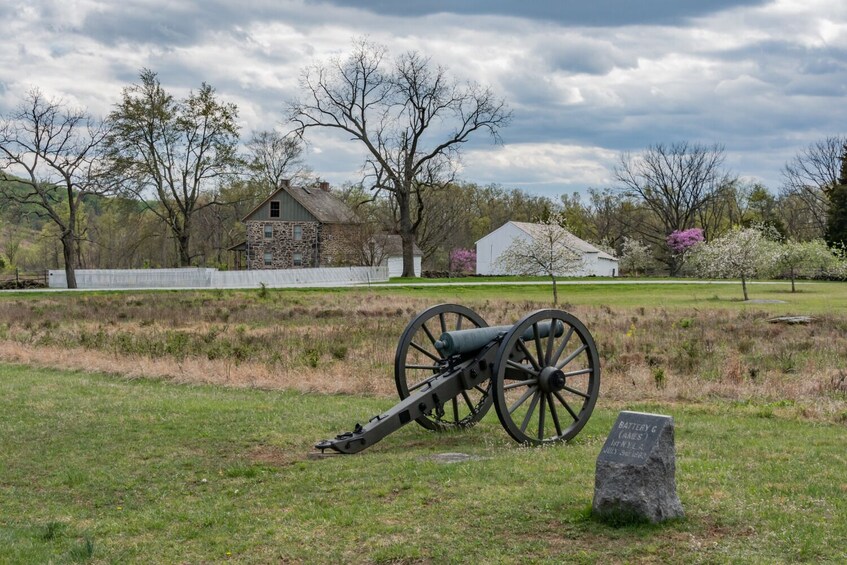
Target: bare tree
[
  {"x": 170, "y": 153},
  {"x": 549, "y": 251},
  {"x": 275, "y": 157},
  {"x": 53, "y": 151},
  {"x": 674, "y": 182},
  {"x": 409, "y": 116},
  {"x": 810, "y": 176}
]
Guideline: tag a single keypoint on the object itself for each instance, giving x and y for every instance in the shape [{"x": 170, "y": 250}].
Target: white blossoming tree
[
  {"x": 798, "y": 258},
  {"x": 551, "y": 251},
  {"x": 636, "y": 257},
  {"x": 738, "y": 254}
]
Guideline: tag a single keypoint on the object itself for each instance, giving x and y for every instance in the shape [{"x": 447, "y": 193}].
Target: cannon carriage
[{"x": 542, "y": 375}]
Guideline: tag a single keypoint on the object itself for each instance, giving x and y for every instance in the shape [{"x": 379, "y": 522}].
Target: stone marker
[
  {"x": 791, "y": 320},
  {"x": 453, "y": 457},
  {"x": 635, "y": 476}
]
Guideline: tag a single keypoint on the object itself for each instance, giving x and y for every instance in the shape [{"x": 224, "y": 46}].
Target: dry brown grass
[{"x": 344, "y": 343}]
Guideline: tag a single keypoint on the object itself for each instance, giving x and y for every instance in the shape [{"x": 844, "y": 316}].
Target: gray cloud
[
  {"x": 585, "y": 79},
  {"x": 601, "y": 13}
]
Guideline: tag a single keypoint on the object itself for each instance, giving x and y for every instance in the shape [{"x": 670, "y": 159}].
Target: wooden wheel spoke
[
  {"x": 443, "y": 322},
  {"x": 529, "y": 356},
  {"x": 424, "y": 351},
  {"x": 554, "y": 414},
  {"x": 521, "y": 367},
  {"x": 528, "y": 382},
  {"x": 576, "y": 392},
  {"x": 428, "y": 333},
  {"x": 562, "y": 346},
  {"x": 571, "y": 357},
  {"x": 567, "y": 406},
  {"x": 530, "y": 411},
  {"x": 578, "y": 372},
  {"x": 541, "y": 415},
  {"x": 480, "y": 389},
  {"x": 459, "y": 319},
  {"x": 551, "y": 337},
  {"x": 521, "y": 400},
  {"x": 537, "y": 338}
]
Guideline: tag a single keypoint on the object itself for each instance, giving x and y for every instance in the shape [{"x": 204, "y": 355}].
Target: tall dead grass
[{"x": 344, "y": 343}]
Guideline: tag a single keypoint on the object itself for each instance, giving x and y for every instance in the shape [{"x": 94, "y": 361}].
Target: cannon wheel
[
  {"x": 545, "y": 388},
  {"x": 417, "y": 361}
]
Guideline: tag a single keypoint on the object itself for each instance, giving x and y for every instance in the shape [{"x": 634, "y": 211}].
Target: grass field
[
  {"x": 110, "y": 470},
  {"x": 193, "y": 448}
]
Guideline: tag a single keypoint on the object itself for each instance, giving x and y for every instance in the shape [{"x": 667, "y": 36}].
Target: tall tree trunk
[
  {"x": 744, "y": 287},
  {"x": 182, "y": 244},
  {"x": 70, "y": 257},
  {"x": 182, "y": 232},
  {"x": 555, "y": 291},
  {"x": 407, "y": 235}
]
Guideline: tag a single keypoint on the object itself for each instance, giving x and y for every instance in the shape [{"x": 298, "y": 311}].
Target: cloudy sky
[{"x": 585, "y": 80}]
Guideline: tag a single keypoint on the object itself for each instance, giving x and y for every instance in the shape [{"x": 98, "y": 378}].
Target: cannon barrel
[{"x": 472, "y": 340}]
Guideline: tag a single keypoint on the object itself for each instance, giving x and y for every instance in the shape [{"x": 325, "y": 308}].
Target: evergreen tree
[{"x": 836, "y": 225}]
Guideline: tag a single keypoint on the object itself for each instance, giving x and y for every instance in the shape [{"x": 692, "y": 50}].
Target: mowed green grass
[
  {"x": 99, "y": 468},
  {"x": 811, "y": 296}
]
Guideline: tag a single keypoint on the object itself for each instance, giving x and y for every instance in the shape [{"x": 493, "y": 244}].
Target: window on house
[
  {"x": 275, "y": 209},
  {"x": 269, "y": 258},
  {"x": 269, "y": 231},
  {"x": 297, "y": 259},
  {"x": 298, "y": 233}
]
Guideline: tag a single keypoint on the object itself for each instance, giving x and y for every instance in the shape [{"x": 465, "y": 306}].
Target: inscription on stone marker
[{"x": 633, "y": 437}]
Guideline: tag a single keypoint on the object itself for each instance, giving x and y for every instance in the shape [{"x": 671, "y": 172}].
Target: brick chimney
[{"x": 324, "y": 186}]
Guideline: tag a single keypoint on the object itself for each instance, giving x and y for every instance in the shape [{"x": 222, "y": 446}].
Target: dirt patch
[{"x": 274, "y": 456}]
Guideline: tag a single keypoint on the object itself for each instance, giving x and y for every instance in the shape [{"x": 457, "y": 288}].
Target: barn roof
[
  {"x": 392, "y": 245},
  {"x": 533, "y": 230}
]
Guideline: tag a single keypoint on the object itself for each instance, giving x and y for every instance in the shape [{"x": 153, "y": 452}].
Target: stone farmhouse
[{"x": 300, "y": 227}]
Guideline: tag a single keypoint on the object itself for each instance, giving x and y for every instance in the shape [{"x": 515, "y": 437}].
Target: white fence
[{"x": 213, "y": 278}]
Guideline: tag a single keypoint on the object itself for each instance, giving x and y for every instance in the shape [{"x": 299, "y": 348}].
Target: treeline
[
  {"x": 164, "y": 181},
  {"x": 116, "y": 231}
]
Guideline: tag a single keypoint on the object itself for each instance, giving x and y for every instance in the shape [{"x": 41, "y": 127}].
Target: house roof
[
  {"x": 322, "y": 204},
  {"x": 573, "y": 241},
  {"x": 392, "y": 245}
]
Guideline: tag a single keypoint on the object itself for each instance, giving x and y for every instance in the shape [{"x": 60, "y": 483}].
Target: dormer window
[{"x": 275, "y": 209}]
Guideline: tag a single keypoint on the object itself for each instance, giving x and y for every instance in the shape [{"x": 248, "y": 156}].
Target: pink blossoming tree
[
  {"x": 681, "y": 243},
  {"x": 463, "y": 260}
]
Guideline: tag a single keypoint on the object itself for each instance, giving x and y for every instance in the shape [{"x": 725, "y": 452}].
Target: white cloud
[{"x": 540, "y": 166}]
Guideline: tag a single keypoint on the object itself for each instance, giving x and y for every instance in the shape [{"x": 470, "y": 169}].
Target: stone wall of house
[
  {"x": 282, "y": 245},
  {"x": 338, "y": 245}
]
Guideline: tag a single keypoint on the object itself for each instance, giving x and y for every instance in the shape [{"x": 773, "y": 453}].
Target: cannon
[{"x": 542, "y": 375}]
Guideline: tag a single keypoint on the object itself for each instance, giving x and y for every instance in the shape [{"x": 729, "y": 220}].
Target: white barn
[{"x": 490, "y": 247}]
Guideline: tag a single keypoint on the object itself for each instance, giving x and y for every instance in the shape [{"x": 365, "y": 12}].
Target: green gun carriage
[{"x": 542, "y": 375}]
